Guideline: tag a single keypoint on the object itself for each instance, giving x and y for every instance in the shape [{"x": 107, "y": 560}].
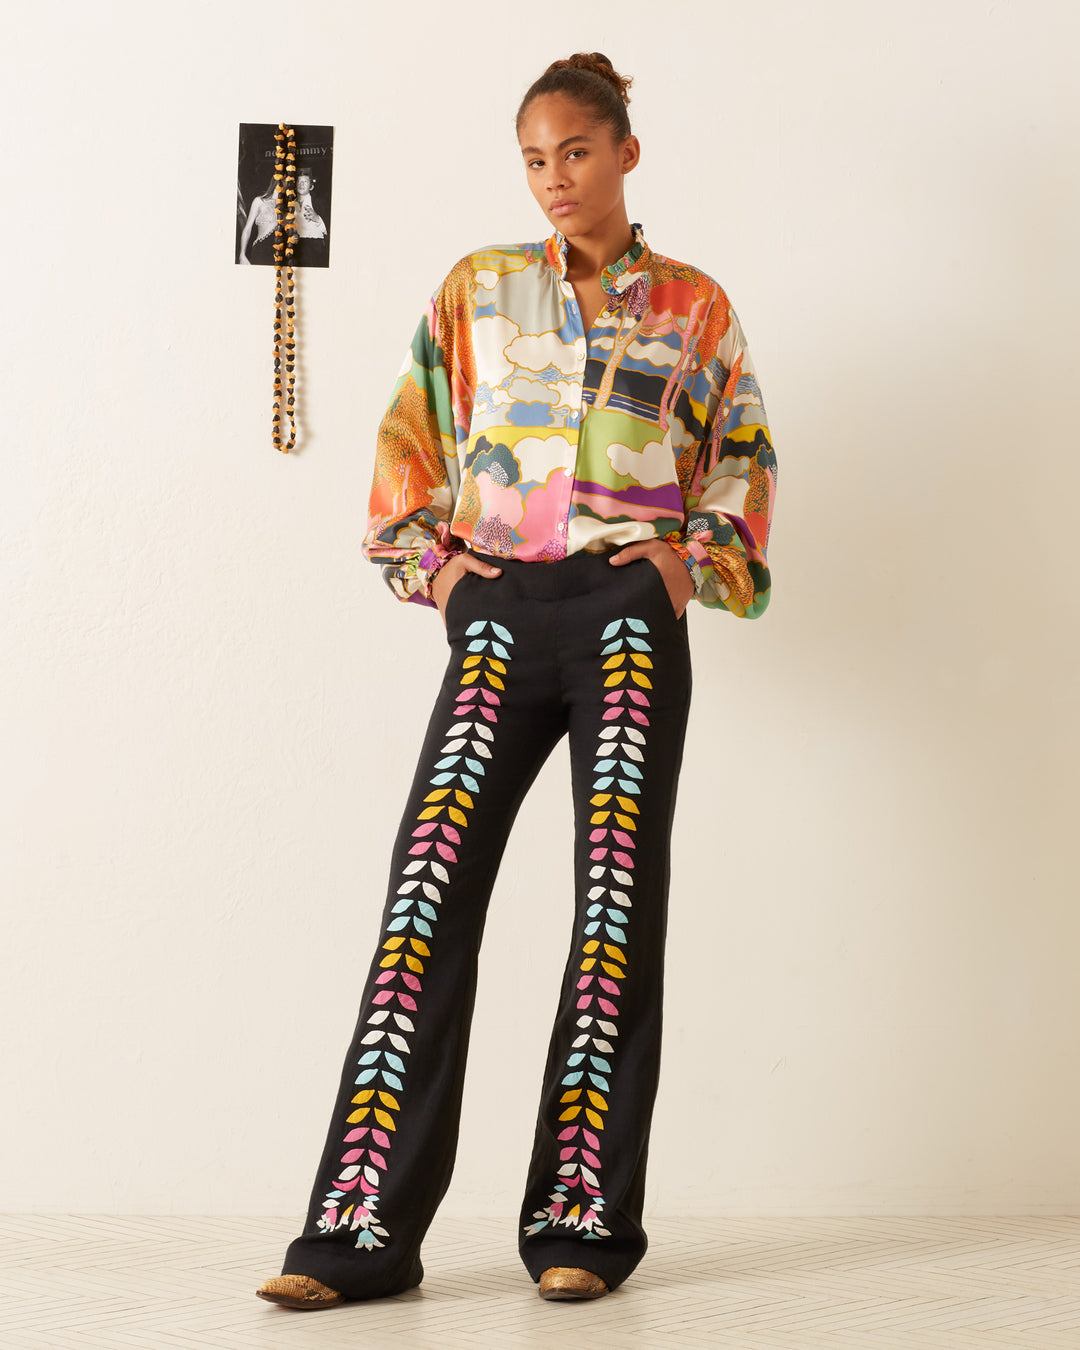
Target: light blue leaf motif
[
  {"x": 370, "y": 1057},
  {"x": 393, "y": 1080},
  {"x": 591, "y": 928},
  {"x": 499, "y": 650},
  {"x": 615, "y": 646},
  {"x": 441, "y": 778},
  {"x": 478, "y": 645},
  {"x": 398, "y": 924},
  {"x": 475, "y": 765},
  {"x": 498, "y": 628},
  {"x": 366, "y": 1076},
  {"x": 631, "y": 789},
  {"x": 598, "y": 1062},
  {"x": 618, "y": 916},
  {"x": 572, "y": 1078},
  {"x": 602, "y": 765},
  {"x": 426, "y": 909},
  {"x": 575, "y": 1059},
  {"x": 638, "y": 625},
  {"x": 402, "y": 904},
  {"x": 603, "y": 782},
  {"x": 422, "y": 927},
  {"x": 594, "y": 909},
  {"x": 396, "y": 1062},
  {"x": 599, "y": 1081},
  {"x": 476, "y": 627},
  {"x": 631, "y": 769},
  {"x": 469, "y": 782},
  {"x": 616, "y": 934},
  {"x": 446, "y": 763},
  {"x": 638, "y": 644}
]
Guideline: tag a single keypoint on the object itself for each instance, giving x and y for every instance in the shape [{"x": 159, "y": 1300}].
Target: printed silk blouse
[{"x": 512, "y": 430}]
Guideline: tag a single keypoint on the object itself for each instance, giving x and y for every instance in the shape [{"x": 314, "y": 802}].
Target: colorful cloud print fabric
[{"x": 512, "y": 430}]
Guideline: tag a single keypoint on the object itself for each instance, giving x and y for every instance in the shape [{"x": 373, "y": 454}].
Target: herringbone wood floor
[{"x": 73, "y": 1281}]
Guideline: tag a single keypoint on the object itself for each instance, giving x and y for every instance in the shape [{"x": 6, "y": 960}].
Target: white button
[{"x": 562, "y": 526}]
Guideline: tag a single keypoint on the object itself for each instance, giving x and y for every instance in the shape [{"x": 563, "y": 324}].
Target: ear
[{"x": 631, "y": 153}]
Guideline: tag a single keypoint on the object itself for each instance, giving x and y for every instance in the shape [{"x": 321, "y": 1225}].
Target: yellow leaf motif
[
  {"x": 364, "y": 1096},
  {"x": 388, "y": 1099},
  {"x": 437, "y": 795},
  {"x": 385, "y": 1119},
  {"x": 616, "y": 972},
  {"x": 391, "y": 960},
  {"x": 628, "y": 805},
  {"x": 616, "y": 677},
  {"x": 419, "y": 945},
  {"x": 414, "y": 964},
  {"x": 614, "y": 661},
  {"x": 598, "y": 817},
  {"x": 458, "y": 817},
  {"x": 597, "y": 1122},
  {"x": 469, "y": 662},
  {"x": 643, "y": 680},
  {"x": 571, "y": 1096},
  {"x": 357, "y": 1116},
  {"x": 429, "y": 812},
  {"x": 625, "y": 821},
  {"x": 468, "y": 679},
  {"x": 570, "y": 1113},
  {"x": 616, "y": 953},
  {"x": 496, "y": 664},
  {"x": 601, "y": 799},
  {"x": 597, "y": 1100},
  {"x": 591, "y": 946},
  {"x": 463, "y": 798},
  {"x": 493, "y": 680},
  {"x": 641, "y": 661}
]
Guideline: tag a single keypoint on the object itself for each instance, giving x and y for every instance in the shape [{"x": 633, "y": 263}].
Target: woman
[
  {"x": 262, "y": 222},
  {"x": 575, "y": 447}
]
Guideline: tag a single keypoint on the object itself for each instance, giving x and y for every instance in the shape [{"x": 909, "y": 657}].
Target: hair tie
[{"x": 285, "y": 177}]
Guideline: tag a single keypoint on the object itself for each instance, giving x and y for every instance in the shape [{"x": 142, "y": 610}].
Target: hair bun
[{"x": 600, "y": 65}]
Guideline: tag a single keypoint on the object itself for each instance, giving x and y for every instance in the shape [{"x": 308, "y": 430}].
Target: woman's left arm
[{"x": 730, "y": 494}]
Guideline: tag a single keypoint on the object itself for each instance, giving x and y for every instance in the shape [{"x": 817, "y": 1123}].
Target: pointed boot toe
[
  {"x": 298, "y": 1291},
  {"x": 569, "y": 1282}
]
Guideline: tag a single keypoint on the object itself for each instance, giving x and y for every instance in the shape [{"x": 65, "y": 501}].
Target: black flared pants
[{"x": 593, "y": 650}]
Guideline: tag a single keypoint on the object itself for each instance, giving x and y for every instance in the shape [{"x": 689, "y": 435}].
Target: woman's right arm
[{"x": 415, "y": 481}]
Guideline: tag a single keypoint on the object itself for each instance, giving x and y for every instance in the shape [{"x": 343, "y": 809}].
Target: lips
[{"x": 563, "y": 208}]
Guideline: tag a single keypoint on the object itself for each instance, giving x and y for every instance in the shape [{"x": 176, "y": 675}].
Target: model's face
[
  {"x": 573, "y": 167},
  {"x": 303, "y": 182}
]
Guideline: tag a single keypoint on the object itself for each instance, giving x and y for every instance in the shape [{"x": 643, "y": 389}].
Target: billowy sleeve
[
  {"x": 729, "y": 490},
  {"x": 415, "y": 482}
]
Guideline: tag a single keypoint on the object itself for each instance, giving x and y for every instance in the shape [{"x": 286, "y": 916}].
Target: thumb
[{"x": 629, "y": 553}]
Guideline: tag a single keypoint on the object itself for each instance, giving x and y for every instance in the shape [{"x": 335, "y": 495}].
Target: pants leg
[
  {"x": 393, "y": 1132},
  {"x": 625, "y": 663}
]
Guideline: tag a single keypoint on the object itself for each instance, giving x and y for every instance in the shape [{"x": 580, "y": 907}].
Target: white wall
[{"x": 207, "y": 740}]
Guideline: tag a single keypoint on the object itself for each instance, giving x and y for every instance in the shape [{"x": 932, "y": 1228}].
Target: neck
[{"x": 588, "y": 254}]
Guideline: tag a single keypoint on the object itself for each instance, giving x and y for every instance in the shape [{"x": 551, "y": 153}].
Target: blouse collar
[{"x": 618, "y": 276}]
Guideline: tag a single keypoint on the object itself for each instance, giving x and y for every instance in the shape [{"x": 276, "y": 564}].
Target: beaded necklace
[{"x": 284, "y": 311}]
